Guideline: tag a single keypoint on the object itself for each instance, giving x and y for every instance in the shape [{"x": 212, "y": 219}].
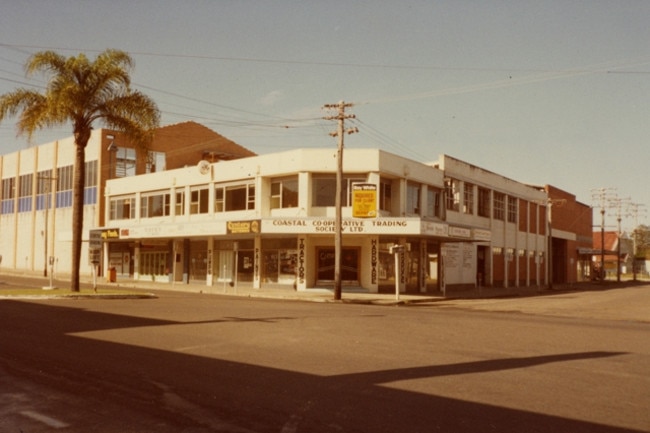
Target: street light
[{"x": 47, "y": 180}]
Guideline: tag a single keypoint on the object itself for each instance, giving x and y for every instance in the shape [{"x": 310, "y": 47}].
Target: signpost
[
  {"x": 50, "y": 261},
  {"x": 94, "y": 253},
  {"x": 397, "y": 250}
]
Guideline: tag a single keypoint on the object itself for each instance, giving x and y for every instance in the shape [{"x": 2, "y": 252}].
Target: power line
[{"x": 287, "y": 61}]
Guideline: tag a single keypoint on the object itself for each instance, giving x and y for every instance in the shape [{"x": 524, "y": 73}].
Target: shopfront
[{"x": 297, "y": 253}]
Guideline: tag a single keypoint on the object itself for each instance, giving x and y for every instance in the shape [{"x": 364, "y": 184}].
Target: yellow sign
[
  {"x": 243, "y": 227},
  {"x": 364, "y": 200}
]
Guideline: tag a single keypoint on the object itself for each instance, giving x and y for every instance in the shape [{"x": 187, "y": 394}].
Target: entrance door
[
  {"x": 481, "y": 262},
  {"x": 349, "y": 265}
]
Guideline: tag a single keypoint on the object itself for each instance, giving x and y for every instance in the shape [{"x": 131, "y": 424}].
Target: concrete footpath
[
  {"x": 609, "y": 300},
  {"x": 349, "y": 294}
]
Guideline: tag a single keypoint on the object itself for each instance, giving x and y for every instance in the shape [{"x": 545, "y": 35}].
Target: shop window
[
  {"x": 279, "y": 266},
  {"x": 154, "y": 263}
]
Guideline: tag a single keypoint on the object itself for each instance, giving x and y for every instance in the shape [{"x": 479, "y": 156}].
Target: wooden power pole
[{"x": 340, "y": 117}]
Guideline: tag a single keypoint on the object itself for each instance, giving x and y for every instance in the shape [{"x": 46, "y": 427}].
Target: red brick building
[{"x": 571, "y": 240}]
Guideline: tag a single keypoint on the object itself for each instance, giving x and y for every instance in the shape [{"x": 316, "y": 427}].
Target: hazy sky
[{"x": 543, "y": 92}]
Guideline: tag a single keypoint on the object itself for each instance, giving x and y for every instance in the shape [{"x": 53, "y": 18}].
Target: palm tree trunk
[{"x": 77, "y": 209}]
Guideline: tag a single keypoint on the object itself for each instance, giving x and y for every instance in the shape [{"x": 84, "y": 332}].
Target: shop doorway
[{"x": 325, "y": 259}]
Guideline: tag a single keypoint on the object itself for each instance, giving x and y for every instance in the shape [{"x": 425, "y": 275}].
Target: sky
[{"x": 540, "y": 91}]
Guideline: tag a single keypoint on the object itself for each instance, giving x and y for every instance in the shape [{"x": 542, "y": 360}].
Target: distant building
[
  {"x": 571, "y": 235},
  {"x": 611, "y": 253}
]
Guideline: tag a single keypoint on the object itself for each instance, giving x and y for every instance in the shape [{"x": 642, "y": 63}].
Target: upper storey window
[
  {"x": 234, "y": 197},
  {"x": 413, "y": 198},
  {"x": 452, "y": 194},
  {"x": 499, "y": 208},
  {"x": 324, "y": 189},
  {"x": 284, "y": 192}
]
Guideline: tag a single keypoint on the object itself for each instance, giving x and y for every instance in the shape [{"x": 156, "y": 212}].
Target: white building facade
[
  {"x": 510, "y": 215},
  {"x": 36, "y": 205},
  {"x": 269, "y": 221}
]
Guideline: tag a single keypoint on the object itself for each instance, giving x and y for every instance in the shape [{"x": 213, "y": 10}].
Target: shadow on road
[{"x": 36, "y": 340}]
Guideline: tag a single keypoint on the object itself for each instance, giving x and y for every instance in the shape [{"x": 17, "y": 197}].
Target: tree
[
  {"x": 81, "y": 92},
  {"x": 642, "y": 240}
]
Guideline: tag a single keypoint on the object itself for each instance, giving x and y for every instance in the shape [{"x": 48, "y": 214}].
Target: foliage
[
  {"x": 642, "y": 238},
  {"x": 82, "y": 92}
]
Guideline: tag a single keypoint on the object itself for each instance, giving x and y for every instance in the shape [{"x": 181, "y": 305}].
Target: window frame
[
  {"x": 123, "y": 203},
  {"x": 483, "y": 202},
  {"x": 413, "y": 198},
  {"x": 452, "y": 195},
  {"x": 199, "y": 200},
  {"x": 147, "y": 201},
  {"x": 433, "y": 201},
  {"x": 385, "y": 195},
  {"x": 329, "y": 180},
  {"x": 284, "y": 193},
  {"x": 226, "y": 196},
  {"x": 512, "y": 207},
  {"x": 499, "y": 206},
  {"x": 468, "y": 198}
]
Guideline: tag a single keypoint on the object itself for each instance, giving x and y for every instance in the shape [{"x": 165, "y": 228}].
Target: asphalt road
[{"x": 203, "y": 363}]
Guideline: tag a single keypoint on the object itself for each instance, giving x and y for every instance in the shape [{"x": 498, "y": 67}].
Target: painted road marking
[{"x": 52, "y": 422}]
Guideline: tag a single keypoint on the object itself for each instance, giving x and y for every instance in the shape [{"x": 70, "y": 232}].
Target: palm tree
[{"x": 82, "y": 92}]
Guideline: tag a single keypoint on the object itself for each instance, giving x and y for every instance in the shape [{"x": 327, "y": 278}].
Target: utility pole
[
  {"x": 340, "y": 117},
  {"x": 634, "y": 209},
  {"x": 549, "y": 203},
  {"x": 617, "y": 204},
  {"x": 44, "y": 188},
  {"x": 602, "y": 195}
]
